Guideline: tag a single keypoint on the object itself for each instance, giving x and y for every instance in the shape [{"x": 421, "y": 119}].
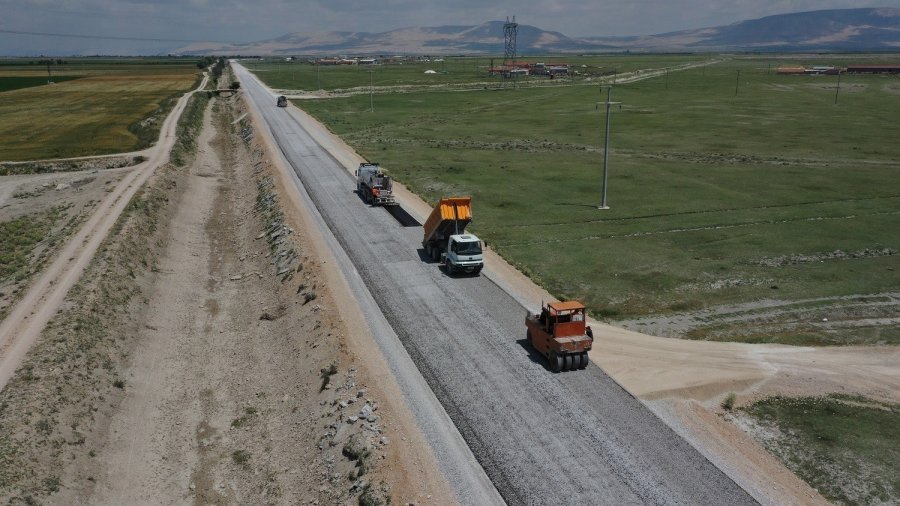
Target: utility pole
[
  {"x": 609, "y": 104},
  {"x": 737, "y": 83},
  {"x": 838, "y": 90},
  {"x": 318, "y": 82},
  {"x": 667, "y": 78}
]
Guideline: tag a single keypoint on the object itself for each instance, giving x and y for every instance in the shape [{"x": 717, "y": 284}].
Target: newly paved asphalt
[{"x": 541, "y": 438}]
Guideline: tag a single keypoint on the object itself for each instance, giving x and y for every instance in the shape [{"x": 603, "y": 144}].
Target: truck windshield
[{"x": 467, "y": 248}]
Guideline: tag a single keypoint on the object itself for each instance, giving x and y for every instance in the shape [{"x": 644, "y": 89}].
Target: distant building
[
  {"x": 534, "y": 69},
  {"x": 798, "y": 71},
  {"x": 873, "y": 69}
]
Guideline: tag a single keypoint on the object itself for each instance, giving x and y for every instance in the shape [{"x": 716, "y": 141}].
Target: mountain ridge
[{"x": 861, "y": 29}]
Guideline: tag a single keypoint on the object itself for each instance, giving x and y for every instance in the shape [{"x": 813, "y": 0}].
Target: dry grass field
[{"x": 109, "y": 109}]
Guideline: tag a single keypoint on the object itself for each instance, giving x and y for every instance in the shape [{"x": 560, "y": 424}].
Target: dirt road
[
  {"x": 213, "y": 378},
  {"x": 208, "y": 373},
  {"x": 28, "y": 318}
]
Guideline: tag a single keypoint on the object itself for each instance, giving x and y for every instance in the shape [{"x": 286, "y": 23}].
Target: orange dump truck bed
[{"x": 440, "y": 223}]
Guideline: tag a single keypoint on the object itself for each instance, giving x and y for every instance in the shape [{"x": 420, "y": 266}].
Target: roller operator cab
[{"x": 560, "y": 334}]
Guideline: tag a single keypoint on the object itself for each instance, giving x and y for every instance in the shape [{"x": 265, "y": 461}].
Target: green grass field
[
  {"x": 19, "y": 82},
  {"x": 724, "y": 188},
  {"x": 301, "y": 75},
  {"x": 114, "y": 105},
  {"x": 848, "y": 448},
  {"x": 18, "y": 239}
]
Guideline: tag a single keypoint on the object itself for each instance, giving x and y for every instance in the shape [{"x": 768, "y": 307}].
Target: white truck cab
[{"x": 464, "y": 254}]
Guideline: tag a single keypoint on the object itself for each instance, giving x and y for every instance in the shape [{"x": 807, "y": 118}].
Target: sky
[{"x": 254, "y": 20}]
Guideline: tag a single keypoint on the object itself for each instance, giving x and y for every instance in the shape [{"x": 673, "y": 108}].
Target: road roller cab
[{"x": 560, "y": 334}]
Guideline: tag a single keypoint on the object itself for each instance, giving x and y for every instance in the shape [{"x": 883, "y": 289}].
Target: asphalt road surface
[{"x": 542, "y": 438}]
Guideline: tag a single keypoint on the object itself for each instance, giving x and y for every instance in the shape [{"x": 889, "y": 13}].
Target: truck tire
[
  {"x": 556, "y": 362},
  {"x": 567, "y": 363},
  {"x": 576, "y": 361},
  {"x": 584, "y": 360},
  {"x": 477, "y": 270}
]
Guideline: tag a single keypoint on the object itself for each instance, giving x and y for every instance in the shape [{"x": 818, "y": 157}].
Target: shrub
[{"x": 728, "y": 403}]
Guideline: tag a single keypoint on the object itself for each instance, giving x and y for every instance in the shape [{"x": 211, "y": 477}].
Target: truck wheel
[
  {"x": 528, "y": 336},
  {"x": 556, "y": 362},
  {"x": 567, "y": 363},
  {"x": 584, "y": 360},
  {"x": 478, "y": 270},
  {"x": 451, "y": 270}
]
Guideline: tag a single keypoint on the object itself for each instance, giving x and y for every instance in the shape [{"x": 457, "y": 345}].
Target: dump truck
[
  {"x": 282, "y": 101},
  {"x": 560, "y": 334},
  {"x": 374, "y": 186},
  {"x": 445, "y": 240}
]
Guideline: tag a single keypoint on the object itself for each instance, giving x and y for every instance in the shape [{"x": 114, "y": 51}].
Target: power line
[{"x": 105, "y": 37}]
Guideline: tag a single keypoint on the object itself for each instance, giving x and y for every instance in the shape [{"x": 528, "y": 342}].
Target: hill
[
  {"x": 826, "y": 30},
  {"x": 833, "y": 30}
]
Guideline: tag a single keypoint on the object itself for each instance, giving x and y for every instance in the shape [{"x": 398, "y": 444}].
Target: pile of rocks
[{"x": 353, "y": 435}]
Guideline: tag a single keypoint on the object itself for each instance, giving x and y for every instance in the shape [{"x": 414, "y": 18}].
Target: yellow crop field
[{"x": 108, "y": 110}]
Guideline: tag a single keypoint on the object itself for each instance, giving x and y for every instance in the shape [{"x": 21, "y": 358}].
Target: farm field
[
  {"x": 96, "y": 106},
  {"x": 744, "y": 205},
  {"x": 301, "y": 75}
]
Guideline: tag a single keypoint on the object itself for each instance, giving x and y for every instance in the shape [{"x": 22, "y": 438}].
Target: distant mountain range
[{"x": 825, "y": 30}]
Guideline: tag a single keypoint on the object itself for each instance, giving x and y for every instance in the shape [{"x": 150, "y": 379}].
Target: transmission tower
[{"x": 510, "y": 32}]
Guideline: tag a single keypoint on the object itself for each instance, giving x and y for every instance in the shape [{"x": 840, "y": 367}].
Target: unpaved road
[
  {"x": 23, "y": 325},
  {"x": 542, "y": 438},
  {"x": 209, "y": 377},
  {"x": 185, "y": 367}
]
